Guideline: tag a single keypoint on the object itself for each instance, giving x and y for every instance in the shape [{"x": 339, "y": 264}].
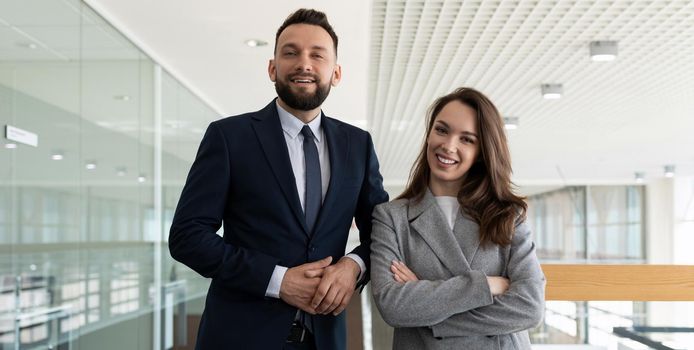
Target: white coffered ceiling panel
[{"x": 633, "y": 114}]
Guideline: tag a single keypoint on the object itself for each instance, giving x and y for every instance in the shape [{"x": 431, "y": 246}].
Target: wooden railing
[{"x": 619, "y": 282}]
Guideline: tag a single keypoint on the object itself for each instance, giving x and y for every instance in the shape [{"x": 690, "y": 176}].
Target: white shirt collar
[{"x": 293, "y": 125}]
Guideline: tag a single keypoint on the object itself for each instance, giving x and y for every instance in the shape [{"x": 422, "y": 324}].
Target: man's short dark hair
[{"x": 308, "y": 16}]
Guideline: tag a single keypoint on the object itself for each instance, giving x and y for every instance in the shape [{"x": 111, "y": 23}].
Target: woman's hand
[
  {"x": 498, "y": 285},
  {"x": 402, "y": 273}
]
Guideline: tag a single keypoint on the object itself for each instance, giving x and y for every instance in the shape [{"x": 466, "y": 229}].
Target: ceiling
[
  {"x": 615, "y": 118},
  {"x": 632, "y": 114}
]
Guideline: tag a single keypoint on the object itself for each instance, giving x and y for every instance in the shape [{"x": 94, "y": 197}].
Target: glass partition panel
[
  {"x": 117, "y": 112},
  {"x": 78, "y": 229},
  {"x": 41, "y": 194},
  {"x": 589, "y": 224},
  {"x": 184, "y": 120}
]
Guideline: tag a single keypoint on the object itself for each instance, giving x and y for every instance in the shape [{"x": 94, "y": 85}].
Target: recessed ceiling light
[
  {"x": 639, "y": 177},
  {"x": 669, "y": 170},
  {"x": 10, "y": 145},
  {"x": 57, "y": 155},
  {"x": 121, "y": 171},
  {"x": 121, "y": 97},
  {"x": 552, "y": 91},
  {"x": 511, "y": 123},
  {"x": 256, "y": 42},
  {"x": 603, "y": 51},
  {"x": 142, "y": 178},
  {"x": 90, "y": 165}
]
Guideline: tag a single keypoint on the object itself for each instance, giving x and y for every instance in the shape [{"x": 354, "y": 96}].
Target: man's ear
[
  {"x": 272, "y": 70},
  {"x": 337, "y": 75}
]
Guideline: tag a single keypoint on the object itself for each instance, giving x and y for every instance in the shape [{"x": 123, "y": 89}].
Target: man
[{"x": 286, "y": 182}]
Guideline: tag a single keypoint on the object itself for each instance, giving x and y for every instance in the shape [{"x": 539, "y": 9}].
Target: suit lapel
[
  {"x": 267, "y": 127},
  {"x": 469, "y": 234},
  {"x": 427, "y": 219},
  {"x": 338, "y": 151}
]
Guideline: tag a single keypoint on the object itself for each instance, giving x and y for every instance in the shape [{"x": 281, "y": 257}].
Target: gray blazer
[{"x": 451, "y": 306}]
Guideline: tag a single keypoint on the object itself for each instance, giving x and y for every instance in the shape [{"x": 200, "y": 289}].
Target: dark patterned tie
[{"x": 314, "y": 193}]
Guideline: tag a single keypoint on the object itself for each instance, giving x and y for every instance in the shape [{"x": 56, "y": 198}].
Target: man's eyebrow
[
  {"x": 296, "y": 47},
  {"x": 289, "y": 45}
]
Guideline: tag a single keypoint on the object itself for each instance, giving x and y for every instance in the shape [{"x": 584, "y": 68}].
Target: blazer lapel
[
  {"x": 338, "y": 151},
  {"x": 469, "y": 234},
  {"x": 267, "y": 127},
  {"x": 427, "y": 219}
]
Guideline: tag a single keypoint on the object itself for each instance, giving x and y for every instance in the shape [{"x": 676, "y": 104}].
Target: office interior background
[{"x": 119, "y": 94}]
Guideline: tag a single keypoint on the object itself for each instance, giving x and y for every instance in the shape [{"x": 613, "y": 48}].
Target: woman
[{"x": 452, "y": 262}]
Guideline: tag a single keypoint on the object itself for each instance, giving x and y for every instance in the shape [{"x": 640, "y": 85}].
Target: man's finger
[
  {"x": 308, "y": 309},
  {"x": 343, "y": 304},
  {"x": 320, "y": 263},
  {"x": 321, "y": 291},
  {"x": 326, "y": 305},
  {"x": 314, "y": 273},
  {"x": 339, "y": 300},
  {"x": 334, "y": 305}
]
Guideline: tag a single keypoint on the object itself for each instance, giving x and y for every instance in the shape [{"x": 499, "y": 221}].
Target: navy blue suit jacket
[{"x": 242, "y": 178}]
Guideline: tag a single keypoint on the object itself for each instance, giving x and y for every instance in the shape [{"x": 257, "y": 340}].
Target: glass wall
[
  {"x": 84, "y": 214},
  {"x": 589, "y": 224},
  {"x": 558, "y": 222}
]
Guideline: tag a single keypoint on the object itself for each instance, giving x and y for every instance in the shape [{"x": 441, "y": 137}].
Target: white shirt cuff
[
  {"x": 359, "y": 262},
  {"x": 273, "y": 288}
]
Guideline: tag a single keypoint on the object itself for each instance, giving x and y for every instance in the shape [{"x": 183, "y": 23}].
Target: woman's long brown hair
[{"x": 486, "y": 195}]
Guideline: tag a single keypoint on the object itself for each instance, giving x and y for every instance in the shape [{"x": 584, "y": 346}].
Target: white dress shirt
[{"x": 292, "y": 126}]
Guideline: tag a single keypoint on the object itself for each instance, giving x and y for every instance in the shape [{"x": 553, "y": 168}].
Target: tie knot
[{"x": 306, "y": 131}]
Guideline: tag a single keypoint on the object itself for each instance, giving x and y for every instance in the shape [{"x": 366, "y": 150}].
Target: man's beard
[{"x": 300, "y": 101}]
